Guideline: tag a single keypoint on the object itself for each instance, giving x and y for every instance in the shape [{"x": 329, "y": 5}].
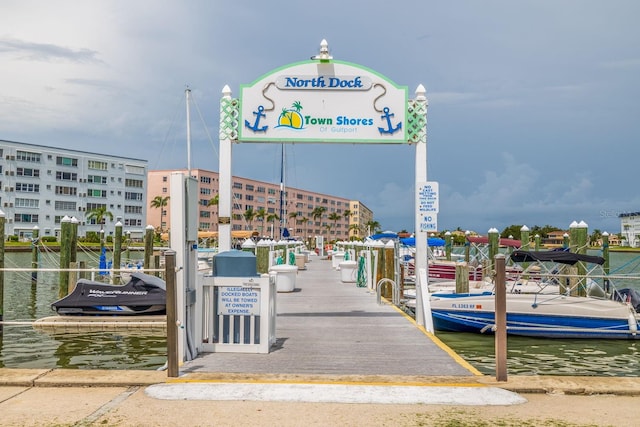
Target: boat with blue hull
[
  {"x": 537, "y": 315},
  {"x": 601, "y": 314}
]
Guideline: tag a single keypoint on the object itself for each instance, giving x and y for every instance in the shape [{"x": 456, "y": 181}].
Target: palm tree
[
  {"x": 373, "y": 226},
  {"x": 261, "y": 214},
  {"x": 99, "y": 215},
  {"x": 272, "y": 218},
  {"x": 160, "y": 202},
  {"x": 249, "y": 216},
  {"x": 214, "y": 200},
  {"x": 356, "y": 229},
  {"x": 317, "y": 212},
  {"x": 335, "y": 217},
  {"x": 294, "y": 217},
  {"x": 328, "y": 228},
  {"x": 304, "y": 221}
]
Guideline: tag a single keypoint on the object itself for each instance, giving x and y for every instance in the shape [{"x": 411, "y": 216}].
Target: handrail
[{"x": 394, "y": 288}]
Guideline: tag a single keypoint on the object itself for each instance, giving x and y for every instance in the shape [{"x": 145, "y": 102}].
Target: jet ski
[{"x": 142, "y": 295}]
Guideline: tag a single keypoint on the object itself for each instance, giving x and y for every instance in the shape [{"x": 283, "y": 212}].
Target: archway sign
[{"x": 326, "y": 101}]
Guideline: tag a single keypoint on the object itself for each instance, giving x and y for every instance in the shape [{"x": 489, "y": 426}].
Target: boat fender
[
  {"x": 488, "y": 327},
  {"x": 633, "y": 324}
]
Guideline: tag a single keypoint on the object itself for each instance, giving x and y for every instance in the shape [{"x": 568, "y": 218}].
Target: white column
[
  {"x": 420, "y": 236},
  {"x": 224, "y": 197},
  {"x": 178, "y": 244}
]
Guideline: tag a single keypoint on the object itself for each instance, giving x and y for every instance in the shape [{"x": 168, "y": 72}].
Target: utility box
[{"x": 235, "y": 264}]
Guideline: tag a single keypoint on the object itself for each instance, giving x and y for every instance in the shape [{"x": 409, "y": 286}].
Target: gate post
[
  {"x": 172, "y": 328},
  {"x": 228, "y": 132},
  {"x": 420, "y": 113}
]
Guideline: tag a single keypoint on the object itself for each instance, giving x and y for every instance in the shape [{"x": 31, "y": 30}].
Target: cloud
[{"x": 46, "y": 52}]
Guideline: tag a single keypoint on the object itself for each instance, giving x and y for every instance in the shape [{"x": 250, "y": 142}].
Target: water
[
  {"x": 536, "y": 356},
  {"x": 22, "y": 346}
]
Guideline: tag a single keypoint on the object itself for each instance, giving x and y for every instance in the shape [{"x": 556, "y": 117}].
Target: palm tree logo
[{"x": 291, "y": 118}]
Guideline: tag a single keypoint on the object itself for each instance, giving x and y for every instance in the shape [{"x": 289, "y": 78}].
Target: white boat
[{"x": 600, "y": 314}]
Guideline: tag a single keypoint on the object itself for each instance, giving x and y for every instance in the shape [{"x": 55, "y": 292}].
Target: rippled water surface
[{"x": 22, "y": 346}]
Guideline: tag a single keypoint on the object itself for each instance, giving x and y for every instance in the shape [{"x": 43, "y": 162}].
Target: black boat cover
[
  {"x": 143, "y": 294},
  {"x": 561, "y": 257}
]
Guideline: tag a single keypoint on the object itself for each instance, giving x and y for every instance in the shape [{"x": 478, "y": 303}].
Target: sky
[{"x": 534, "y": 106}]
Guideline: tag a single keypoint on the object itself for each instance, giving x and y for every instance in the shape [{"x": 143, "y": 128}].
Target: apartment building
[
  {"x": 630, "y": 229},
  {"x": 304, "y": 213},
  {"x": 361, "y": 215},
  {"x": 41, "y": 185}
]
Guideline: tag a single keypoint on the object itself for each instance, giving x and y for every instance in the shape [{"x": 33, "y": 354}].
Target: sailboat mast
[
  {"x": 187, "y": 95},
  {"x": 282, "y": 194}
]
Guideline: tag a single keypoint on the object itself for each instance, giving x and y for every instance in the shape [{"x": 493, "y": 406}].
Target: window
[
  {"x": 132, "y": 209},
  {"x": 96, "y": 179},
  {"x": 97, "y": 165},
  {"x": 65, "y": 206},
  {"x": 27, "y": 203},
  {"x": 205, "y": 180},
  {"x": 134, "y": 170},
  {"x": 96, "y": 193},
  {"x": 237, "y": 185},
  {"x": 66, "y": 161},
  {"x": 27, "y": 156},
  {"x": 94, "y": 206},
  {"x": 66, "y": 191},
  {"x": 205, "y": 191},
  {"x": 248, "y": 187},
  {"x": 205, "y": 214},
  {"x": 66, "y": 176},
  {"x": 27, "y": 172},
  {"x": 272, "y": 191},
  {"x": 137, "y": 183},
  {"x": 133, "y": 196},
  {"x": 27, "y": 188},
  {"x": 18, "y": 217},
  {"x": 260, "y": 189}
]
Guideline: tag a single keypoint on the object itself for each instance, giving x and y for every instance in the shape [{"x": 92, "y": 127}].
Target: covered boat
[{"x": 143, "y": 294}]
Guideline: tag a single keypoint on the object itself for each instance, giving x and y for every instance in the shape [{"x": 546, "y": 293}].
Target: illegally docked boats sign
[{"x": 328, "y": 101}]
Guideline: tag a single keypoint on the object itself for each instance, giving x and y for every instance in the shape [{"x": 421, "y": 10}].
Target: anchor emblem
[
  {"x": 259, "y": 114},
  {"x": 390, "y": 128}
]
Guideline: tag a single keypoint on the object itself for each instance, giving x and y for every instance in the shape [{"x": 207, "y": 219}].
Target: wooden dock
[{"x": 327, "y": 327}]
